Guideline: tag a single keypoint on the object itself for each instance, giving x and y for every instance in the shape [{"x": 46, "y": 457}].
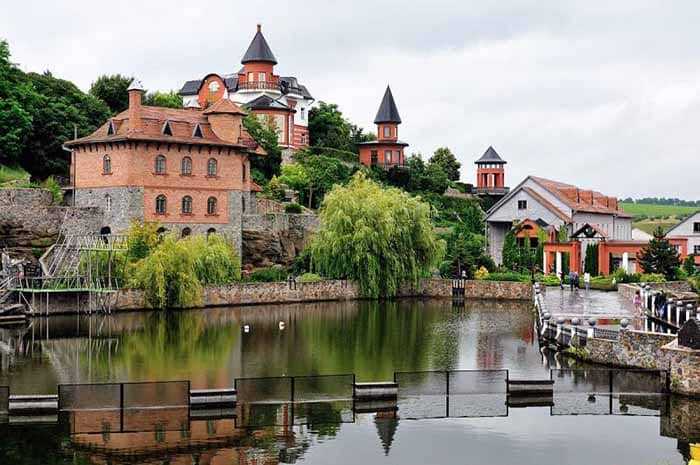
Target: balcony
[
  {"x": 492, "y": 190},
  {"x": 259, "y": 85}
]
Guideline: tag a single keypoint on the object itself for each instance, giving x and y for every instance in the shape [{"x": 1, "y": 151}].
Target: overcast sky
[{"x": 604, "y": 95}]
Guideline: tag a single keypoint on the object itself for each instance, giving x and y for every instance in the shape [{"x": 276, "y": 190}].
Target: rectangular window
[
  {"x": 261, "y": 77},
  {"x": 301, "y": 114},
  {"x": 387, "y": 131},
  {"x": 696, "y": 250},
  {"x": 696, "y": 227},
  {"x": 251, "y": 77},
  {"x": 387, "y": 157},
  {"x": 398, "y": 157},
  {"x": 522, "y": 204},
  {"x": 374, "y": 157}
]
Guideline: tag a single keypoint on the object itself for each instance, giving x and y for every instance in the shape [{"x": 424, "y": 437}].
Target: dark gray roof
[
  {"x": 231, "y": 83},
  {"x": 258, "y": 50},
  {"x": 291, "y": 84},
  {"x": 265, "y": 102},
  {"x": 191, "y": 87},
  {"x": 388, "y": 113},
  {"x": 490, "y": 156}
]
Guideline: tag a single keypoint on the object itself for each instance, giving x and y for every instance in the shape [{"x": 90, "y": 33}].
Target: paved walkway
[{"x": 598, "y": 304}]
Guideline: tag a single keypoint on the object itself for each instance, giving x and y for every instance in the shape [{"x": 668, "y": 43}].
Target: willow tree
[{"x": 379, "y": 237}]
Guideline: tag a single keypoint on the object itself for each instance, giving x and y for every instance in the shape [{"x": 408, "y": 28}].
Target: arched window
[
  {"x": 108, "y": 203},
  {"x": 186, "y": 166},
  {"x": 187, "y": 204},
  {"x": 243, "y": 204},
  {"x": 186, "y": 232},
  {"x": 105, "y": 231},
  {"x": 106, "y": 165},
  {"x": 160, "y": 164},
  {"x": 161, "y": 204},
  {"x": 211, "y": 231},
  {"x": 161, "y": 231},
  {"x": 245, "y": 168},
  {"x": 212, "y": 167},
  {"x": 211, "y": 205}
]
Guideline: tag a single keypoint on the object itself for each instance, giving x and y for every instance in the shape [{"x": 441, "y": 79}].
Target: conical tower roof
[
  {"x": 258, "y": 50},
  {"x": 386, "y": 429},
  {"x": 388, "y": 113},
  {"x": 490, "y": 156}
]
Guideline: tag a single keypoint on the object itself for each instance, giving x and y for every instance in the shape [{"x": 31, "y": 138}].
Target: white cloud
[{"x": 606, "y": 96}]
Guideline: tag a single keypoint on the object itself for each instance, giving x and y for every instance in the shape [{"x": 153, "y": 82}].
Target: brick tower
[{"x": 490, "y": 173}]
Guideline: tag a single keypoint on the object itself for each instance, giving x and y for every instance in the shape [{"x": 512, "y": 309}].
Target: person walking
[
  {"x": 637, "y": 301},
  {"x": 561, "y": 280},
  {"x": 572, "y": 280},
  {"x": 587, "y": 280}
]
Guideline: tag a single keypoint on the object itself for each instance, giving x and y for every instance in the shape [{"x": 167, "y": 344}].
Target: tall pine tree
[{"x": 660, "y": 256}]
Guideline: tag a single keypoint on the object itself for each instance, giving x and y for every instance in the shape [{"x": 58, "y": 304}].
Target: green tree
[
  {"x": 466, "y": 252},
  {"x": 660, "y": 256},
  {"x": 112, "y": 90},
  {"x": 324, "y": 172},
  {"x": 510, "y": 254},
  {"x": 329, "y": 128},
  {"x": 689, "y": 265},
  {"x": 591, "y": 259},
  {"x": 265, "y": 133},
  {"x": 170, "y": 99},
  {"x": 446, "y": 160},
  {"x": 379, "y": 237}
]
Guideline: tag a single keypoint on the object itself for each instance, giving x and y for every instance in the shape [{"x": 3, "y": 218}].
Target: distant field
[
  {"x": 665, "y": 216},
  {"x": 637, "y": 209}
]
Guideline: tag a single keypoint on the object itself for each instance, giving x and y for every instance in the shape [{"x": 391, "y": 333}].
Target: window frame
[
  {"x": 696, "y": 250},
  {"x": 387, "y": 157},
  {"x": 374, "y": 157},
  {"x": 696, "y": 227},
  {"x": 522, "y": 204},
  {"x": 387, "y": 131},
  {"x": 212, "y": 206},
  {"x": 186, "y": 161},
  {"x": 161, "y": 198},
  {"x": 216, "y": 168},
  {"x": 186, "y": 205},
  {"x": 106, "y": 164},
  {"x": 157, "y": 168}
]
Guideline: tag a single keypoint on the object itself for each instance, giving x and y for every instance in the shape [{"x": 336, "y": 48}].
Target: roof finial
[{"x": 259, "y": 27}]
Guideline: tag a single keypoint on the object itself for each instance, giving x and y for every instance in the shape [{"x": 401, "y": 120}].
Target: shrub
[
  {"x": 509, "y": 276},
  {"x": 481, "y": 273},
  {"x": 549, "y": 280},
  {"x": 652, "y": 278},
  {"x": 51, "y": 185},
  {"x": 292, "y": 208},
  {"x": 309, "y": 278},
  {"x": 268, "y": 275}
]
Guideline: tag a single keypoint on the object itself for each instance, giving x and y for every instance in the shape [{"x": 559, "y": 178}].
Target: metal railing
[{"x": 259, "y": 85}]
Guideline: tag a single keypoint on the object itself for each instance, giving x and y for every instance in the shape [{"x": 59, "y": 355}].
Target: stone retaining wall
[
  {"x": 637, "y": 349},
  {"x": 27, "y": 198},
  {"x": 280, "y": 292}
]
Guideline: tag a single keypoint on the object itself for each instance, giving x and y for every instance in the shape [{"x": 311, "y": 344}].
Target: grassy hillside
[
  {"x": 648, "y": 217},
  {"x": 8, "y": 174}
]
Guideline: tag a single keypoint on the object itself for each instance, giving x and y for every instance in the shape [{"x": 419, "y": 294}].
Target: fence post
[
  {"x": 447, "y": 393},
  {"x": 610, "y": 376},
  {"x": 292, "y": 389},
  {"x": 121, "y": 407}
]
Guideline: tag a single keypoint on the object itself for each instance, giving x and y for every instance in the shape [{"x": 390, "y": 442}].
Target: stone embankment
[
  {"x": 30, "y": 221},
  {"x": 283, "y": 292},
  {"x": 275, "y": 238}
]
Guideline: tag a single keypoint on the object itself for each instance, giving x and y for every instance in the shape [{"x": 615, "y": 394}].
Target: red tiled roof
[
  {"x": 547, "y": 204},
  {"x": 224, "y": 105},
  {"x": 182, "y": 125},
  {"x": 587, "y": 201}
]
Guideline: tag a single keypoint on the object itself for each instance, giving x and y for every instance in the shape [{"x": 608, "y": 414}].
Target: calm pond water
[{"x": 211, "y": 348}]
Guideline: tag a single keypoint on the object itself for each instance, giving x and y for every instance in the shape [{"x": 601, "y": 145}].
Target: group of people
[{"x": 575, "y": 280}]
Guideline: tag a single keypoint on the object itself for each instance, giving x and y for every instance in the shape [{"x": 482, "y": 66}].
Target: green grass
[
  {"x": 648, "y": 217},
  {"x": 638, "y": 209},
  {"x": 8, "y": 174}
]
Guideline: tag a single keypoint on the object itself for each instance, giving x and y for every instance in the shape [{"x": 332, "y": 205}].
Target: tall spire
[
  {"x": 258, "y": 50},
  {"x": 388, "y": 113}
]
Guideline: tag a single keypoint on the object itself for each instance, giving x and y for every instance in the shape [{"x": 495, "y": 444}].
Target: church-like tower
[
  {"x": 490, "y": 173},
  {"x": 387, "y": 151}
]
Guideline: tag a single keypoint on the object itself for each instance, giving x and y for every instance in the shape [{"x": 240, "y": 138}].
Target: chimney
[
  {"x": 135, "y": 91},
  {"x": 259, "y": 28}
]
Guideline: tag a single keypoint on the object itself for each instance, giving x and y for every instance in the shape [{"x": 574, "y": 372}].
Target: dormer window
[
  {"x": 111, "y": 130},
  {"x": 197, "y": 131},
  {"x": 167, "y": 130}
]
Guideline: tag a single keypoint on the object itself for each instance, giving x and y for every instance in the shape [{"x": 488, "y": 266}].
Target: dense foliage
[
  {"x": 112, "y": 90},
  {"x": 38, "y": 113},
  {"x": 169, "y": 99},
  {"x": 376, "y": 236},
  {"x": 660, "y": 256},
  {"x": 266, "y": 134},
  {"x": 689, "y": 265},
  {"x": 591, "y": 259},
  {"x": 328, "y": 128},
  {"x": 446, "y": 161}
]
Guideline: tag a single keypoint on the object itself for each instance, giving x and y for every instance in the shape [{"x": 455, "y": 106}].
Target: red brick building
[
  {"x": 185, "y": 168},
  {"x": 387, "y": 151},
  {"x": 257, "y": 87}
]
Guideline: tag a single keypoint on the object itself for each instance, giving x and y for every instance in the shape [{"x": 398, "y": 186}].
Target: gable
[
  {"x": 686, "y": 227},
  {"x": 536, "y": 206}
]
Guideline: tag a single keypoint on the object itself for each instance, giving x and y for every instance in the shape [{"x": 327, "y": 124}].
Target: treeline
[{"x": 663, "y": 201}]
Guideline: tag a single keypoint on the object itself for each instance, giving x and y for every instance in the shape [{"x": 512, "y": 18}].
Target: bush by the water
[
  {"x": 173, "y": 273},
  {"x": 379, "y": 237},
  {"x": 268, "y": 275},
  {"x": 309, "y": 278},
  {"x": 292, "y": 208},
  {"x": 509, "y": 276}
]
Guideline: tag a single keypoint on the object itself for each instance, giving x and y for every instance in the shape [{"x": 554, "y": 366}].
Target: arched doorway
[
  {"x": 211, "y": 231},
  {"x": 186, "y": 232},
  {"x": 105, "y": 231}
]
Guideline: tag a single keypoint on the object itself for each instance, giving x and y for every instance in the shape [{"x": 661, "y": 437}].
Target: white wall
[{"x": 686, "y": 229}]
